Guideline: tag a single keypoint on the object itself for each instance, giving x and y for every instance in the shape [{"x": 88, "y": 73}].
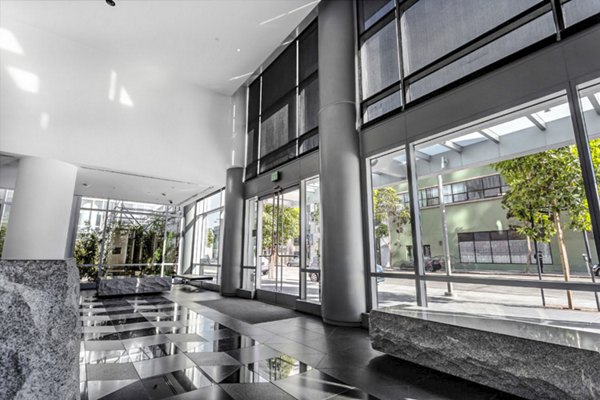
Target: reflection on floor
[{"x": 157, "y": 347}]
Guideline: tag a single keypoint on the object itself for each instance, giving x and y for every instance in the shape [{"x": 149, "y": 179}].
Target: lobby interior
[{"x": 298, "y": 199}]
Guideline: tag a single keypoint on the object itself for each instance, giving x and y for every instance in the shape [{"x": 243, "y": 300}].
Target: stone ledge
[
  {"x": 125, "y": 286},
  {"x": 524, "y": 367},
  {"x": 40, "y": 330}
]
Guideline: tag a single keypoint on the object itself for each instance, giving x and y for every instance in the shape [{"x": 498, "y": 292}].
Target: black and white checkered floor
[
  {"x": 175, "y": 346},
  {"x": 153, "y": 348}
]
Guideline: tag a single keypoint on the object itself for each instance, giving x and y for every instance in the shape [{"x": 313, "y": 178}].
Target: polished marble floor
[{"x": 170, "y": 346}]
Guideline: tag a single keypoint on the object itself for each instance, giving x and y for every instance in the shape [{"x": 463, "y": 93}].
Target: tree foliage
[
  {"x": 391, "y": 215},
  {"x": 545, "y": 189},
  {"x": 289, "y": 228}
]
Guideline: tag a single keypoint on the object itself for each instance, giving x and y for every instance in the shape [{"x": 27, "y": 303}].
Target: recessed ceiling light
[
  {"x": 85, "y": 184},
  {"x": 238, "y": 50},
  {"x": 111, "y": 3}
]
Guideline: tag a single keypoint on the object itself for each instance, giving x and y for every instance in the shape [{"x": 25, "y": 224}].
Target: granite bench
[
  {"x": 133, "y": 285},
  {"x": 522, "y": 357}
]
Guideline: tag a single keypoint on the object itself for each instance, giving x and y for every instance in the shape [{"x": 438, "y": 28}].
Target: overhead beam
[
  {"x": 490, "y": 135},
  {"x": 592, "y": 98},
  {"x": 422, "y": 156},
  {"x": 537, "y": 121},
  {"x": 452, "y": 146}
]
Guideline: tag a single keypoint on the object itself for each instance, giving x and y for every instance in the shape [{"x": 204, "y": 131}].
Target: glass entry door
[{"x": 279, "y": 242}]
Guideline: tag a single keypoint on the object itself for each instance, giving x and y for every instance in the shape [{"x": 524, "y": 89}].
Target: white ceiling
[
  {"x": 169, "y": 55},
  {"x": 194, "y": 40}
]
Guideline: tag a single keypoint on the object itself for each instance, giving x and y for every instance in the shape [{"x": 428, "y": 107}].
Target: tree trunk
[
  {"x": 390, "y": 243},
  {"x": 563, "y": 256},
  {"x": 528, "y": 255}
]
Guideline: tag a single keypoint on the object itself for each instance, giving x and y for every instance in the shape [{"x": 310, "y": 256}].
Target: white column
[{"x": 38, "y": 226}]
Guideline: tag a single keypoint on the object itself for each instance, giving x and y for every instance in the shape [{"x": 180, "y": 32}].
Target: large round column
[
  {"x": 343, "y": 276},
  {"x": 38, "y": 227},
  {"x": 233, "y": 232}
]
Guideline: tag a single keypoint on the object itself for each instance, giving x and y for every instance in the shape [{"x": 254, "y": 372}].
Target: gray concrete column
[
  {"x": 343, "y": 276},
  {"x": 41, "y": 211},
  {"x": 233, "y": 233}
]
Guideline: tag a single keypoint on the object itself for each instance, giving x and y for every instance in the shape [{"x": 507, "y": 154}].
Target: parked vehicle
[
  {"x": 435, "y": 263},
  {"x": 316, "y": 276}
]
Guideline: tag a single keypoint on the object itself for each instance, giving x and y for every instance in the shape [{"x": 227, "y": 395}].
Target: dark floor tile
[
  {"x": 106, "y": 357},
  {"x": 354, "y": 394},
  {"x": 277, "y": 368},
  {"x": 121, "y": 310},
  {"x": 225, "y": 333},
  {"x": 137, "y": 333},
  {"x": 253, "y": 354},
  {"x": 312, "y": 385},
  {"x": 176, "y": 382},
  {"x": 125, "y": 321},
  {"x": 218, "y": 373},
  {"x": 141, "y": 353},
  {"x": 134, "y": 326},
  {"x": 255, "y": 391},
  {"x": 244, "y": 375},
  {"x": 114, "y": 390},
  {"x": 213, "y": 392},
  {"x": 100, "y": 336}
]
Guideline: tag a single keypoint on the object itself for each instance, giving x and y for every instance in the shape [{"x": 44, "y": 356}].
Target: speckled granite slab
[
  {"x": 524, "y": 363},
  {"x": 39, "y": 329},
  {"x": 124, "y": 286}
]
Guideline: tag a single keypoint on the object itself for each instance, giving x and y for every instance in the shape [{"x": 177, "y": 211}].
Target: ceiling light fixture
[{"x": 111, "y": 3}]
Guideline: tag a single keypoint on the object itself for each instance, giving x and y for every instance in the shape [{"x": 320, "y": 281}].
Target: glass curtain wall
[
  {"x": 203, "y": 231},
  {"x": 283, "y": 104},
  {"x": 392, "y": 238},
  {"x": 6, "y": 196},
  {"x": 123, "y": 238},
  {"x": 311, "y": 231},
  {"x": 415, "y": 49},
  {"x": 251, "y": 277},
  {"x": 501, "y": 199}
]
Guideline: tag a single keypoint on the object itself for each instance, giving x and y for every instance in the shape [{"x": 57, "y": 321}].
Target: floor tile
[
  {"x": 134, "y": 326},
  {"x": 145, "y": 341},
  {"x": 111, "y": 372},
  {"x": 244, "y": 375},
  {"x": 142, "y": 353},
  {"x": 103, "y": 345},
  {"x": 106, "y": 357},
  {"x": 175, "y": 382},
  {"x": 253, "y": 353},
  {"x": 312, "y": 385},
  {"x": 256, "y": 391},
  {"x": 217, "y": 358},
  {"x": 126, "y": 335},
  {"x": 114, "y": 390},
  {"x": 125, "y": 321},
  {"x": 213, "y": 392},
  {"x": 218, "y": 373},
  {"x": 162, "y": 365},
  {"x": 99, "y": 329},
  {"x": 278, "y": 368}
]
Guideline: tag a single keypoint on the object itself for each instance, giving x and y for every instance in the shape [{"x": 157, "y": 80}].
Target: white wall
[{"x": 174, "y": 130}]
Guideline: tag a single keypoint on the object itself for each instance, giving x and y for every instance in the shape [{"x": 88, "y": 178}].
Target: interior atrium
[{"x": 299, "y": 199}]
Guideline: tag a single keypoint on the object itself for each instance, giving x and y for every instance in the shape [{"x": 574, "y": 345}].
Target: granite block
[
  {"x": 529, "y": 368},
  {"x": 39, "y": 333},
  {"x": 125, "y": 286}
]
